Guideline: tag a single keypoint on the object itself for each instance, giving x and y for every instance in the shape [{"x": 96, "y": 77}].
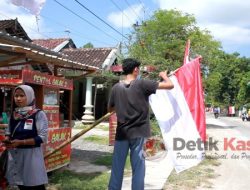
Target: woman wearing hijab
[{"x": 28, "y": 128}]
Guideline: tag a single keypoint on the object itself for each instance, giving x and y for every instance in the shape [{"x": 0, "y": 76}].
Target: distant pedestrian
[
  {"x": 28, "y": 128},
  {"x": 130, "y": 100},
  {"x": 218, "y": 109},
  {"x": 216, "y": 112}
]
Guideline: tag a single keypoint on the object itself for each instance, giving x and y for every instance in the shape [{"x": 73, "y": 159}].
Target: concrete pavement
[
  {"x": 234, "y": 170},
  {"x": 157, "y": 173}
]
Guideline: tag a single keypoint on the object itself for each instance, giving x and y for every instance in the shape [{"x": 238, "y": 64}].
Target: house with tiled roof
[
  {"x": 12, "y": 33},
  {"x": 101, "y": 58},
  {"x": 55, "y": 44},
  {"x": 104, "y": 59},
  {"x": 25, "y": 52},
  {"x": 73, "y": 59},
  {"x": 13, "y": 28}
]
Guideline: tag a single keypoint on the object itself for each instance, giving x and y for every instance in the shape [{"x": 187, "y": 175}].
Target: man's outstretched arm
[{"x": 166, "y": 83}]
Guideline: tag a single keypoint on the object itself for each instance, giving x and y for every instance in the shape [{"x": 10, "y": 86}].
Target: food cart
[{"x": 54, "y": 96}]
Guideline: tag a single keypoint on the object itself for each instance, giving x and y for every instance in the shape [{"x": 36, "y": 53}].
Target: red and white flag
[
  {"x": 190, "y": 81},
  {"x": 34, "y": 6},
  {"x": 181, "y": 116},
  {"x": 186, "y": 54}
]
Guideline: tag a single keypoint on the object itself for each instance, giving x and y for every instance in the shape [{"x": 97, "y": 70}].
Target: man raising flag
[{"x": 181, "y": 115}]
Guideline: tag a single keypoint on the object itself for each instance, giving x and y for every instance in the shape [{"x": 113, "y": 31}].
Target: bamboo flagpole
[
  {"x": 85, "y": 130},
  {"x": 76, "y": 136}
]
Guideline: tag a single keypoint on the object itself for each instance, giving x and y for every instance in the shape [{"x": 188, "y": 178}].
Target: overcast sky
[{"x": 228, "y": 20}]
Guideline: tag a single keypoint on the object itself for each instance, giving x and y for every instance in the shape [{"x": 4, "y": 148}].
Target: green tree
[
  {"x": 227, "y": 80},
  {"x": 161, "y": 40},
  {"x": 88, "y": 45},
  {"x": 213, "y": 87}
]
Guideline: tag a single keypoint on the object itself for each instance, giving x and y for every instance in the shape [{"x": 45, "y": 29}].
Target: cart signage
[
  {"x": 34, "y": 77},
  {"x": 52, "y": 113},
  {"x": 47, "y": 88},
  {"x": 48, "y": 80},
  {"x": 62, "y": 157},
  {"x": 11, "y": 77}
]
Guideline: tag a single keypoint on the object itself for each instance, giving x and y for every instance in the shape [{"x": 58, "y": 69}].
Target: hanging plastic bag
[{"x": 154, "y": 149}]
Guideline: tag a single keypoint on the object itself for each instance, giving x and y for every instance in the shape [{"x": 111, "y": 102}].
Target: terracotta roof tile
[
  {"x": 89, "y": 56},
  {"x": 49, "y": 43}
]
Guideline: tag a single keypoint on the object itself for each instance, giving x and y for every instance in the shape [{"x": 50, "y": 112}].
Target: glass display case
[{"x": 51, "y": 96}]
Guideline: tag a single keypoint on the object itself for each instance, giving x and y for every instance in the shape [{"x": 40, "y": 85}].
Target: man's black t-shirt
[{"x": 132, "y": 108}]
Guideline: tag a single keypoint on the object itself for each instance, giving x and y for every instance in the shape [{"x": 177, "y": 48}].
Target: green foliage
[
  {"x": 104, "y": 160},
  {"x": 97, "y": 139},
  {"x": 226, "y": 84},
  {"x": 243, "y": 96},
  {"x": 213, "y": 86},
  {"x": 107, "y": 161},
  {"x": 155, "y": 129},
  {"x": 103, "y": 127},
  {"x": 67, "y": 180},
  {"x": 88, "y": 45},
  {"x": 194, "y": 177},
  {"x": 161, "y": 40},
  {"x": 109, "y": 78}
]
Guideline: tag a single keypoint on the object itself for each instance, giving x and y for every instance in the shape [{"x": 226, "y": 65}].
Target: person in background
[
  {"x": 244, "y": 114},
  {"x": 27, "y": 130},
  {"x": 130, "y": 100},
  {"x": 216, "y": 112}
]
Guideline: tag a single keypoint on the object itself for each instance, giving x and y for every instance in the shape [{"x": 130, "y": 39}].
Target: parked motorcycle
[{"x": 244, "y": 117}]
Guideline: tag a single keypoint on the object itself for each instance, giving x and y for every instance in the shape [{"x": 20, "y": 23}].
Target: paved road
[
  {"x": 242, "y": 126},
  {"x": 234, "y": 170},
  {"x": 233, "y": 173}
]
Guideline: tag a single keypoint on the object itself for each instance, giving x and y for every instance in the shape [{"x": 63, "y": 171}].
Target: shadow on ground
[
  {"x": 87, "y": 155},
  {"x": 212, "y": 126}
]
